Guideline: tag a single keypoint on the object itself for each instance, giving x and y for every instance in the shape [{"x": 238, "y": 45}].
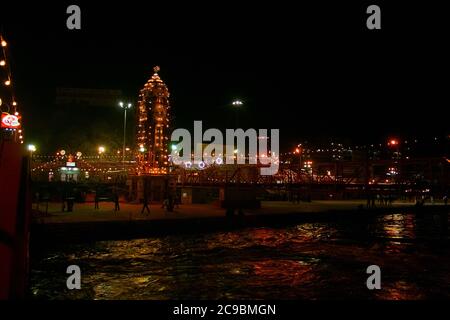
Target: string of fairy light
[
  {"x": 8, "y": 102},
  {"x": 54, "y": 162}
]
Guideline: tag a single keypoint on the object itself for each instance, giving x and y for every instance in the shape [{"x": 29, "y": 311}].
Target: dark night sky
[{"x": 314, "y": 71}]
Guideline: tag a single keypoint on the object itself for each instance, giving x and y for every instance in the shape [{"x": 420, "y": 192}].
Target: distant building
[
  {"x": 88, "y": 97},
  {"x": 84, "y": 118}
]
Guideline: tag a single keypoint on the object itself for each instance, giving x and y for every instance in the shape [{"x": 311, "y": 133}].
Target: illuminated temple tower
[{"x": 153, "y": 120}]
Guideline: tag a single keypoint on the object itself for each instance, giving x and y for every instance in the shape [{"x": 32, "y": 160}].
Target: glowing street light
[
  {"x": 101, "y": 149},
  {"x": 31, "y": 148},
  {"x": 237, "y": 103}
]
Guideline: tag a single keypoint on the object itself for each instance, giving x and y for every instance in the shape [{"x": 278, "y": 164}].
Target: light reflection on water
[{"x": 306, "y": 261}]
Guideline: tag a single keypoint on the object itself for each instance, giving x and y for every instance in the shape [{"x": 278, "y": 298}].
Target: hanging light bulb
[
  {"x": 4, "y": 43},
  {"x": 7, "y": 82},
  {"x": 2, "y": 63}
]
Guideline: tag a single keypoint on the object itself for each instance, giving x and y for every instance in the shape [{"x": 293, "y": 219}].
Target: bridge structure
[
  {"x": 337, "y": 179},
  {"x": 424, "y": 172}
]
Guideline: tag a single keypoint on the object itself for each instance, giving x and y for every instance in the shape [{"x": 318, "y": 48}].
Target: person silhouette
[
  {"x": 145, "y": 200},
  {"x": 145, "y": 204},
  {"x": 116, "y": 202},
  {"x": 96, "y": 200}
]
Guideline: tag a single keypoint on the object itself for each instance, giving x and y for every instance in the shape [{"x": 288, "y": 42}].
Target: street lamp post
[
  {"x": 31, "y": 148},
  {"x": 124, "y": 107},
  {"x": 101, "y": 150},
  {"x": 236, "y": 104},
  {"x": 395, "y": 145},
  {"x": 298, "y": 151}
]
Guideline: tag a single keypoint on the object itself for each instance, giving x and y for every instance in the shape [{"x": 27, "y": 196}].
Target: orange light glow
[{"x": 393, "y": 142}]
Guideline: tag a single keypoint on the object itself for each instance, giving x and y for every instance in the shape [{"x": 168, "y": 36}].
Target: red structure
[
  {"x": 15, "y": 204},
  {"x": 15, "y": 208}
]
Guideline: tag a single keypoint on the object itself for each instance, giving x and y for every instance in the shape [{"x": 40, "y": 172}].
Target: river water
[{"x": 303, "y": 261}]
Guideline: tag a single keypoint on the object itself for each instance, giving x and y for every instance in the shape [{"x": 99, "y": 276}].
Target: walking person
[
  {"x": 177, "y": 200},
  {"x": 116, "y": 202},
  {"x": 96, "y": 200},
  {"x": 70, "y": 203},
  {"x": 145, "y": 200},
  {"x": 165, "y": 201},
  {"x": 170, "y": 202},
  {"x": 63, "y": 199},
  {"x": 145, "y": 204},
  {"x": 292, "y": 196},
  {"x": 37, "y": 196}
]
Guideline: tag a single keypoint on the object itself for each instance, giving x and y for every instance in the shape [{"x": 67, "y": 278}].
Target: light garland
[{"x": 9, "y": 103}]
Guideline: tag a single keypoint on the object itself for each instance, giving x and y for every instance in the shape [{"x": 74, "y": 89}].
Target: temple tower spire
[{"x": 153, "y": 122}]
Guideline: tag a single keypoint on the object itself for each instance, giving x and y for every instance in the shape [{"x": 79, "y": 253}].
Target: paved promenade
[{"x": 86, "y": 213}]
